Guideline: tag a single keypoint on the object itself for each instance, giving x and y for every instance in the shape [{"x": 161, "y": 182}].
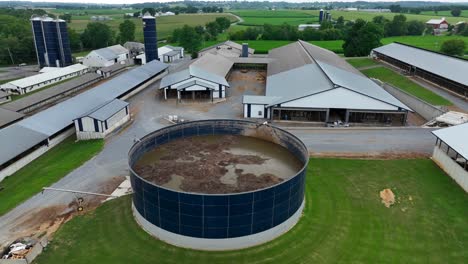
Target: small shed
[{"x": 101, "y": 121}]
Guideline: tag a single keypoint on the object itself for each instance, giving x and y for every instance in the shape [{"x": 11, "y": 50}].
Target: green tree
[
  {"x": 453, "y": 47},
  {"x": 213, "y": 28},
  {"x": 223, "y": 23},
  {"x": 75, "y": 42},
  {"x": 340, "y": 21},
  {"x": 326, "y": 25},
  {"x": 97, "y": 35},
  {"x": 416, "y": 28},
  {"x": 362, "y": 38},
  {"x": 127, "y": 31},
  {"x": 397, "y": 27},
  {"x": 150, "y": 10},
  {"x": 67, "y": 17},
  {"x": 380, "y": 20},
  {"x": 395, "y": 8},
  {"x": 456, "y": 12},
  {"x": 189, "y": 39}
]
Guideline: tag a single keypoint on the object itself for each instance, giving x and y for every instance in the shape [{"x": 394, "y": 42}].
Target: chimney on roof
[{"x": 245, "y": 50}]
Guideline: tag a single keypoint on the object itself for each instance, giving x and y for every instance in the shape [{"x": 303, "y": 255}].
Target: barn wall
[{"x": 453, "y": 169}]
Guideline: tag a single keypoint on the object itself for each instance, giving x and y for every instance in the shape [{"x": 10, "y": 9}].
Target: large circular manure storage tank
[{"x": 218, "y": 184}]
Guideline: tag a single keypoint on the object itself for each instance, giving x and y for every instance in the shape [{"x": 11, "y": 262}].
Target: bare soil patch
[{"x": 388, "y": 197}]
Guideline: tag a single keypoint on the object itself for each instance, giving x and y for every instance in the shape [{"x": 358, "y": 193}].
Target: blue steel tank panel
[
  {"x": 39, "y": 41},
  {"x": 51, "y": 42},
  {"x": 67, "y": 59},
  {"x": 321, "y": 15},
  {"x": 150, "y": 37},
  {"x": 216, "y": 215}
]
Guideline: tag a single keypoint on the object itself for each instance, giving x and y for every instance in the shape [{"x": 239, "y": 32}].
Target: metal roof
[
  {"x": 455, "y": 137},
  {"x": 7, "y": 116},
  {"x": 300, "y": 53},
  {"x": 258, "y": 99},
  {"x": 216, "y": 64},
  {"x": 436, "y": 21},
  {"x": 4, "y": 94},
  {"x": 172, "y": 53},
  {"x": 446, "y": 66},
  {"x": 16, "y": 140},
  {"x": 46, "y": 94},
  {"x": 191, "y": 71},
  {"x": 359, "y": 84},
  {"x": 106, "y": 53},
  {"x": 40, "y": 78},
  {"x": 118, "y": 49},
  {"x": 59, "y": 116},
  {"x": 196, "y": 82},
  {"x": 228, "y": 43},
  {"x": 296, "y": 83},
  {"x": 113, "y": 67},
  {"x": 107, "y": 110}
]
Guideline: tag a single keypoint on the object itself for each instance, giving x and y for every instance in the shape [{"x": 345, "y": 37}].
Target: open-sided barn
[{"x": 444, "y": 70}]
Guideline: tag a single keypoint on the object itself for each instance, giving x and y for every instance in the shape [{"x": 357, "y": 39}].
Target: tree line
[{"x": 191, "y": 38}]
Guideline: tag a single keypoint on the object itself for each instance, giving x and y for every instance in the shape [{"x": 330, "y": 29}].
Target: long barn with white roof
[{"x": 444, "y": 70}]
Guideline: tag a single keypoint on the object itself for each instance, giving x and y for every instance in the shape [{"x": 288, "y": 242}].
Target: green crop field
[
  {"x": 277, "y": 17},
  {"x": 402, "y": 82},
  {"x": 45, "y": 170},
  {"x": 344, "y": 221},
  {"x": 165, "y": 24},
  {"x": 445, "y": 14}
]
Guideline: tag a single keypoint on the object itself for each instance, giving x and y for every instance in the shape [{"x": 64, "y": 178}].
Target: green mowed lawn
[
  {"x": 344, "y": 221},
  {"x": 45, "y": 170},
  {"x": 165, "y": 24},
  {"x": 275, "y": 17},
  {"x": 402, "y": 82},
  {"x": 362, "y": 62}
]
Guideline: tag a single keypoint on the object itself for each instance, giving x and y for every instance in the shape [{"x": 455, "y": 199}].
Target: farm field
[
  {"x": 426, "y": 42},
  {"x": 445, "y": 14},
  {"x": 402, "y": 82},
  {"x": 165, "y": 24},
  {"x": 344, "y": 221},
  {"x": 51, "y": 167},
  {"x": 261, "y": 17}
]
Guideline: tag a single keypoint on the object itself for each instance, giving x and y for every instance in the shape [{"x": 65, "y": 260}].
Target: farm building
[
  {"x": 302, "y": 27},
  {"x": 113, "y": 69},
  {"x": 443, "y": 70},
  {"x": 4, "y": 97},
  {"x": 134, "y": 48},
  {"x": 45, "y": 97},
  {"x": 438, "y": 24},
  {"x": 228, "y": 49},
  {"x": 29, "y": 138},
  {"x": 204, "y": 79},
  {"x": 451, "y": 152},
  {"x": 102, "y": 120},
  {"x": 106, "y": 56},
  {"x": 38, "y": 81},
  {"x": 309, "y": 84},
  {"x": 8, "y": 117},
  {"x": 170, "y": 53}
]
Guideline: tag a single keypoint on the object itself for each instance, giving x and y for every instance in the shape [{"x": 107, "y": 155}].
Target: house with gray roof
[
  {"x": 106, "y": 56},
  {"x": 102, "y": 120},
  {"x": 306, "y": 83},
  {"x": 446, "y": 71}
]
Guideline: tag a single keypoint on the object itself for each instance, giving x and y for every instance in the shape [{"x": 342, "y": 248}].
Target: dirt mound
[{"x": 388, "y": 197}]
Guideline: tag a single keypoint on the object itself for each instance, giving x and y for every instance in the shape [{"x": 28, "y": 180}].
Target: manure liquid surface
[{"x": 217, "y": 164}]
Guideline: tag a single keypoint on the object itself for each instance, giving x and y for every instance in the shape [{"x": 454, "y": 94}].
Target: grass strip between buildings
[
  {"x": 405, "y": 84},
  {"x": 45, "y": 170},
  {"x": 344, "y": 222},
  {"x": 362, "y": 62}
]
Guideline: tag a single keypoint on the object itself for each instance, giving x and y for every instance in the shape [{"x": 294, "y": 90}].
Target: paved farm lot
[{"x": 344, "y": 222}]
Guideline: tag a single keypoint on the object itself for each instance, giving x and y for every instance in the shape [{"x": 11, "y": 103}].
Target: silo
[
  {"x": 36, "y": 23},
  {"x": 150, "y": 37},
  {"x": 51, "y": 42},
  {"x": 245, "y": 50},
  {"x": 218, "y": 184},
  {"x": 328, "y": 16},
  {"x": 321, "y": 15},
  {"x": 64, "y": 43}
]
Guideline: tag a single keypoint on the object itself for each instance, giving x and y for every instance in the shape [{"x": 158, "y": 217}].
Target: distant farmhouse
[{"x": 439, "y": 25}]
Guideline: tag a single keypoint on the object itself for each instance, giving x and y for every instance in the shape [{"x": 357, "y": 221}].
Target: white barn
[
  {"x": 99, "y": 122},
  {"x": 170, "y": 53},
  {"x": 451, "y": 153},
  {"x": 106, "y": 56},
  {"x": 194, "y": 83},
  {"x": 41, "y": 80}
]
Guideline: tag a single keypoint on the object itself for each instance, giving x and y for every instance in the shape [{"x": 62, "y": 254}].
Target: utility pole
[{"x": 11, "y": 56}]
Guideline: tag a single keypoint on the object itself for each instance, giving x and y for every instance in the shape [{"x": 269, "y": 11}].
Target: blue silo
[
  {"x": 151, "y": 40},
  {"x": 51, "y": 41},
  {"x": 321, "y": 15}
]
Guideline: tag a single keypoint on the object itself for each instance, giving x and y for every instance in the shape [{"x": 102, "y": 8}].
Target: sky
[{"x": 142, "y": 1}]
